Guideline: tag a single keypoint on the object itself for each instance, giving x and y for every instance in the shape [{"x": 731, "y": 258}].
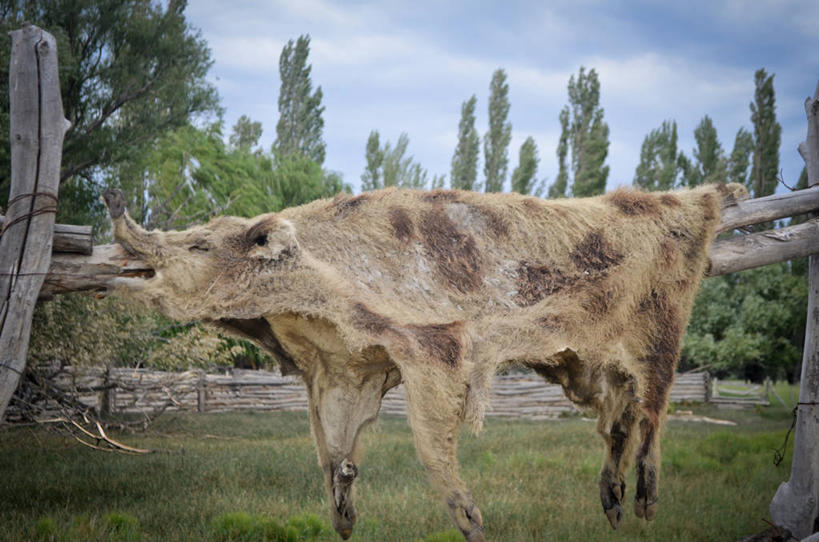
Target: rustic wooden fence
[{"x": 144, "y": 391}]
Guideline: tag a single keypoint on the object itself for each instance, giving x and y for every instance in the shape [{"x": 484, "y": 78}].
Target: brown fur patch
[
  {"x": 344, "y": 203},
  {"x": 619, "y": 437},
  {"x": 669, "y": 249},
  {"x": 709, "y": 206},
  {"x": 551, "y": 322},
  {"x": 440, "y": 195},
  {"x": 364, "y": 318},
  {"x": 595, "y": 254},
  {"x": 536, "y": 282},
  {"x": 663, "y": 348},
  {"x": 598, "y": 301},
  {"x": 401, "y": 224},
  {"x": 494, "y": 221},
  {"x": 455, "y": 252},
  {"x": 670, "y": 200},
  {"x": 440, "y": 341},
  {"x": 633, "y": 203}
]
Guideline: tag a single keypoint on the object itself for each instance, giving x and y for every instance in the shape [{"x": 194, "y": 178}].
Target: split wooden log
[
  {"x": 68, "y": 238},
  {"x": 94, "y": 273},
  {"x": 37, "y": 127},
  {"x": 764, "y": 248},
  {"x": 795, "y": 506},
  {"x": 758, "y": 210}
]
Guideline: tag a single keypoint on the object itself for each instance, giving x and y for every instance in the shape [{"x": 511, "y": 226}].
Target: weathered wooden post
[
  {"x": 796, "y": 503},
  {"x": 37, "y": 127}
]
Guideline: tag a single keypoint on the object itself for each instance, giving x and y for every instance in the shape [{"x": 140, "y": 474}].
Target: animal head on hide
[{"x": 209, "y": 270}]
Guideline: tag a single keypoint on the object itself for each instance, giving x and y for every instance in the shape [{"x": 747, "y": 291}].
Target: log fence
[{"x": 127, "y": 391}]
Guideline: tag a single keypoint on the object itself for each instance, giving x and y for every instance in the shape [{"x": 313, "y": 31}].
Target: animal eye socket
[{"x": 261, "y": 240}]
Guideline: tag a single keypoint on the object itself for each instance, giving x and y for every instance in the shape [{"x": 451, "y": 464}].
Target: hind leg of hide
[
  {"x": 435, "y": 402},
  {"x": 621, "y": 436},
  {"x": 648, "y": 469}
]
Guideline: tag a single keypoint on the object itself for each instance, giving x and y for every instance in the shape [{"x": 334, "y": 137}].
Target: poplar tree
[
  {"x": 767, "y": 135},
  {"x": 464, "y": 174},
  {"x": 660, "y": 163},
  {"x": 587, "y": 135},
  {"x": 709, "y": 159},
  {"x": 370, "y": 179},
  {"x": 740, "y": 159},
  {"x": 246, "y": 133},
  {"x": 523, "y": 177},
  {"x": 496, "y": 141},
  {"x": 390, "y": 166},
  {"x": 300, "y": 126},
  {"x": 558, "y": 188}
]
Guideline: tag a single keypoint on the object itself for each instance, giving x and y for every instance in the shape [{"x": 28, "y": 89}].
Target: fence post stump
[
  {"x": 37, "y": 127},
  {"x": 796, "y": 503},
  {"x": 706, "y": 380},
  {"x": 201, "y": 393}
]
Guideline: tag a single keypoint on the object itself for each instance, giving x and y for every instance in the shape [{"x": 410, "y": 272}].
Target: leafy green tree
[
  {"x": 300, "y": 126},
  {"x": 191, "y": 175},
  {"x": 296, "y": 180},
  {"x": 709, "y": 165},
  {"x": 438, "y": 181},
  {"x": 558, "y": 188},
  {"x": 390, "y": 166},
  {"x": 523, "y": 178},
  {"x": 371, "y": 178},
  {"x": 745, "y": 324},
  {"x": 587, "y": 135},
  {"x": 660, "y": 164},
  {"x": 740, "y": 159},
  {"x": 464, "y": 173},
  {"x": 767, "y": 136},
  {"x": 246, "y": 133},
  {"x": 130, "y": 71},
  {"x": 496, "y": 140},
  {"x": 399, "y": 169}
]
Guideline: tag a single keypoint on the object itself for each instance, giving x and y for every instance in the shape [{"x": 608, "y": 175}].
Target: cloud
[{"x": 398, "y": 68}]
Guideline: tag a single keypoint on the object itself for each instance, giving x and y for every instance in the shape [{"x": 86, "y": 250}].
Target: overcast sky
[{"x": 407, "y": 67}]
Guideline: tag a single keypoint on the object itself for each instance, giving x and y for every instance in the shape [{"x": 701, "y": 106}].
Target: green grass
[{"x": 253, "y": 476}]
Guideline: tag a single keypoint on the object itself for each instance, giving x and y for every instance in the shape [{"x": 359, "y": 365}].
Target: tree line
[{"x": 145, "y": 119}]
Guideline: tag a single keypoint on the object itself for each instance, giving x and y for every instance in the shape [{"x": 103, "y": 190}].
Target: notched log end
[{"x": 115, "y": 201}]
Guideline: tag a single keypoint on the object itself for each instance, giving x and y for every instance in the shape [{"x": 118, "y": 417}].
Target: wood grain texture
[
  {"x": 68, "y": 238},
  {"x": 795, "y": 505},
  {"x": 37, "y": 126}
]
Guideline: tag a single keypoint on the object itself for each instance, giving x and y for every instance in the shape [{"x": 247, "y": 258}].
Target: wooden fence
[{"x": 135, "y": 391}]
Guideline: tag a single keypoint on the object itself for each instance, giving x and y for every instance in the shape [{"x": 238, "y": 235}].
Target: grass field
[{"x": 253, "y": 476}]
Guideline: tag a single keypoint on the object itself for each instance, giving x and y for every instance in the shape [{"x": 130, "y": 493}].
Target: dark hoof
[
  {"x": 645, "y": 509},
  {"x": 115, "y": 201},
  {"x": 611, "y": 495},
  {"x": 615, "y": 515}
]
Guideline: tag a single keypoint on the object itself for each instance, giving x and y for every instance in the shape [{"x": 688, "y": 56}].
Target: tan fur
[{"x": 439, "y": 289}]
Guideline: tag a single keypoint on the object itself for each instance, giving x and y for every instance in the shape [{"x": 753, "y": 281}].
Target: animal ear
[{"x": 272, "y": 239}]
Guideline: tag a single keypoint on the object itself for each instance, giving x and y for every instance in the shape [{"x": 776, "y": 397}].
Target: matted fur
[{"x": 443, "y": 288}]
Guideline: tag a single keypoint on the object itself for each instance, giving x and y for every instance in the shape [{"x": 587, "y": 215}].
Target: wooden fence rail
[{"x": 135, "y": 391}]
